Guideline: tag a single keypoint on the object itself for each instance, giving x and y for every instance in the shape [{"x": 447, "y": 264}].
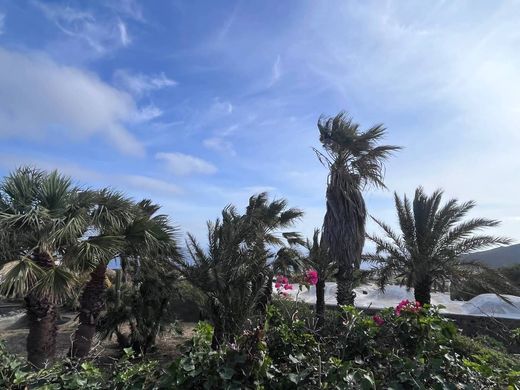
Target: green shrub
[{"x": 410, "y": 347}]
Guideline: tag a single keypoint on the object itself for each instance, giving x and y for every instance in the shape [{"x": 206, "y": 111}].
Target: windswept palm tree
[
  {"x": 235, "y": 272},
  {"x": 134, "y": 233},
  {"x": 354, "y": 160},
  {"x": 46, "y": 214},
  {"x": 433, "y": 238},
  {"x": 318, "y": 259}
]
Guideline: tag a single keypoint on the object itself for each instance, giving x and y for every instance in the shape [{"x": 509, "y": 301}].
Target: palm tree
[
  {"x": 47, "y": 214},
  {"x": 318, "y": 259},
  {"x": 428, "y": 251},
  {"x": 111, "y": 212},
  {"x": 354, "y": 160},
  {"x": 235, "y": 272},
  {"x": 134, "y": 233}
]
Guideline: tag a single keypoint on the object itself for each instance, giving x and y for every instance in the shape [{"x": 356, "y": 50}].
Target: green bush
[{"x": 410, "y": 347}]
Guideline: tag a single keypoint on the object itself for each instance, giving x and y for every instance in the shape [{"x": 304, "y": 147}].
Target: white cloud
[
  {"x": 184, "y": 164},
  {"x": 220, "y": 145},
  {"x": 2, "y": 23},
  {"x": 123, "y": 33},
  {"x": 39, "y": 95},
  {"x": 139, "y": 83},
  {"x": 220, "y": 107},
  {"x": 147, "y": 113},
  {"x": 99, "y": 33}
]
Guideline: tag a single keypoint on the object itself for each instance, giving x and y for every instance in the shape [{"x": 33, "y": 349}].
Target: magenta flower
[
  {"x": 406, "y": 305},
  {"x": 311, "y": 277},
  {"x": 278, "y": 285},
  {"x": 378, "y": 320},
  {"x": 287, "y": 286}
]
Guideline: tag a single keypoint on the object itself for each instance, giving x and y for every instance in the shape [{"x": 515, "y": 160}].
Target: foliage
[
  {"x": 427, "y": 252},
  {"x": 144, "y": 306},
  {"x": 410, "y": 347},
  {"x": 235, "y": 272}
]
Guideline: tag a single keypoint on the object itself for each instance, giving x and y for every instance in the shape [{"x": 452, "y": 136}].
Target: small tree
[
  {"x": 318, "y": 259},
  {"x": 429, "y": 248},
  {"x": 236, "y": 271}
]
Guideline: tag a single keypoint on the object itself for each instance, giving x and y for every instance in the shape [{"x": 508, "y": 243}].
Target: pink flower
[
  {"x": 378, "y": 320},
  {"x": 311, "y": 277},
  {"x": 287, "y": 286},
  {"x": 406, "y": 305},
  {"x": 278, "y": 285}
]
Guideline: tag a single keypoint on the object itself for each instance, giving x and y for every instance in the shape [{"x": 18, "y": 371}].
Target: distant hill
[{"x": 504, "y": 256}]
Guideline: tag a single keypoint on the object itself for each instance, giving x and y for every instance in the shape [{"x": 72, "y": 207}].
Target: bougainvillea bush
[{"x": 407, "y": 347}]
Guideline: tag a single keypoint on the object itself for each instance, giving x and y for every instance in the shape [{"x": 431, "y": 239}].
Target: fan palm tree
[
  {"x": 354, "y": 160},
  {"x": 111, "y": 212},
  {"x": 132, "y": 232},
  {"x": 318, "y": 259},
  {"x": 433, "y": 237},
  {"x": 46, "y": 214}
]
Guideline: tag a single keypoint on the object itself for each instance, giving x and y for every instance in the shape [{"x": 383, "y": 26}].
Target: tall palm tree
[
  {"x": 134, "y": 233},
  {"x": 354, "y": 160},
  {"x": 318, "y": 259},
  {"x": 47, "y": 214},
  {"x": 429, "y": 248}
]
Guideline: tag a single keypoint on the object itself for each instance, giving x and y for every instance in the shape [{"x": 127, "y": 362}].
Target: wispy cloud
[
  {"x": 40, "y": 95},
  {"x": 147, "y": 113},
  {"x": 184, "y": 164},
  {"x": 150, "y": 184},
  {"x": 220, "y": 145},
  {"x": 2, "y": 23},
  {"x": 99, "y": 33},
  {"x": 123, "y": 33},
  {"x": 139, "y": 83},
  {"x": 220, "y": 107}
]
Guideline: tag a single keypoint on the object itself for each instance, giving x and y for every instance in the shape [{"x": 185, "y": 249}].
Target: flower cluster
[
  {"x": 407, "y": 306},
  {"x": 311, "y": 277},
  {"x": 282, "y": 281},
  {"x": 378, "y": 320}
]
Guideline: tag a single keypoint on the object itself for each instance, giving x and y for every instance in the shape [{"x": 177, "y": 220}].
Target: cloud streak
[{"x": 183, "y": 164}]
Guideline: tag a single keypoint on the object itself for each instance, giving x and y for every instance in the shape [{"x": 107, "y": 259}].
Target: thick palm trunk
[
  {"x": 320, "y": 304},
  {"x": 91, "y": 305},
  {"x": 422, "y": 291},
  {"x": 41, "y": 341},
  {"x": 344, "y": 231},
  {"x": 42, "y": 315}
]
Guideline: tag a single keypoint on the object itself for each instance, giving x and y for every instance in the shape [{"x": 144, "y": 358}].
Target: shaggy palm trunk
[
  {"x": 42, "y": 315},
  {"x": 320, "y": 303},
  {"x": 91, "y": 305},
  {"x": 344, "y": 230},
  {"x": 422, "y": 291}
]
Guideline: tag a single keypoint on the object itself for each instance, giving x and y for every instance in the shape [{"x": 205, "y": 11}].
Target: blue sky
[{"x": 197, "y": 104}]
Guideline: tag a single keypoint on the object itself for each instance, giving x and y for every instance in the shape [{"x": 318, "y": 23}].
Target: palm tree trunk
[
  {"x": 422, "y": 291},
  {"x": 320, "y": 303},
  {"x": 91, "y": 305},
  {"x": 344, "y": 231},
  {"x": 42, "y": 315}
]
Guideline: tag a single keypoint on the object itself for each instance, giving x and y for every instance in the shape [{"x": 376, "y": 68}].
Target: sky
[{"x": 198, "y": 104}]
